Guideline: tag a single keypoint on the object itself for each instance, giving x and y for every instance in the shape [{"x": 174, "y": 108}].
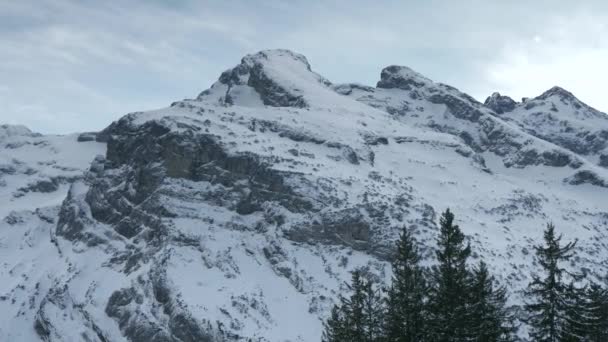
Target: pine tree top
[{"x": 451, "y": 241}]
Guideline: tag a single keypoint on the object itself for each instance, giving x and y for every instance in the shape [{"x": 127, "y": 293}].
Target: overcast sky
[{"x": 70, "y": 66}]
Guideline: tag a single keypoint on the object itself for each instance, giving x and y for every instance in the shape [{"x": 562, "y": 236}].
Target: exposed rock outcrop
[{"x": 499, "y": 103}]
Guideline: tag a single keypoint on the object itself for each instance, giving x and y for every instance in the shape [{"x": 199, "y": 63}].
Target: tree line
[{"x": 454, "y": 302}]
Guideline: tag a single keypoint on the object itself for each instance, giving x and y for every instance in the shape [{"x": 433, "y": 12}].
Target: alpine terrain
[{"x": 239, "y": 215}]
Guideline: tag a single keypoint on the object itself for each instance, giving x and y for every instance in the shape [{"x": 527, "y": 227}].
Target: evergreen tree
[
  {"x": 358, "y": 318},
  {"x": 597, "y": 300},
  {"x": 373, "y": 312},
  {"x": 549, "y": 306},
  {"x": 405, "y": 319},
  {"x": 336, "y": 329},
  {"x": 448, "y": 310},
  {"x": 490, "y": 320},
  {"x": 355, "y": 318},
  {"x": 578, "y": 316}
]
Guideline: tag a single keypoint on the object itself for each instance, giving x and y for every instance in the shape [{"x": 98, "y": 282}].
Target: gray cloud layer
[{"x": 76, "y": 65}]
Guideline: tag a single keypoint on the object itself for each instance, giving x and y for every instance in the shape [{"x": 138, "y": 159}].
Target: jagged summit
[
  {"x": 500, "y": 103},
  {"x": 401, "y": 77},
  {"x": 558, "y": 94},
  {"x": 559, "y": 117},
  {"x": 260, "y": 59},
  {"x": 557, "y": 91},
  {"x": 564, "y": 102},
  {"x": 277, "y": 78},
  {"x": 278, "y": 54}
]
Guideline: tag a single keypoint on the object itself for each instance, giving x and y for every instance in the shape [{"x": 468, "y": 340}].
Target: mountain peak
[
  {"x": 558, "y": 99},
  {"x": 278, "y": 78},
  {"x": 277, "y": 56},
  {"x": 265, "y": 59},
  {"x": 557, "y": 91},
  {"x": 401, "y": 77},
  {"x": 500, "y": 103}
]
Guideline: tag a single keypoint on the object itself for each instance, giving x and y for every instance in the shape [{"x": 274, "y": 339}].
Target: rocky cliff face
[
  {"x": 500, "y": 104},
  {"x": 238, "y": 215}
]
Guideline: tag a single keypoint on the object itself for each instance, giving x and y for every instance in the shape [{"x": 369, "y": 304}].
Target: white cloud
[{"x": 571, "y": 54}]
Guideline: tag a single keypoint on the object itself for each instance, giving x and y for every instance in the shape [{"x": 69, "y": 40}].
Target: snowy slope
[
  {"x": 36, "y": 172},
  {"x": 239, "y": 214}
]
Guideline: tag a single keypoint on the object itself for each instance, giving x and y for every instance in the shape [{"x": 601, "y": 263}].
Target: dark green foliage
[
  {"x": 373, "y": 312},
  {"x": 550, "y": 305},
  {"x": 597, "y": 311},
  {"x": 358, "y": 318},
  {"x": 406, "y": 302},
  {"x": 587, "y": 314},
  {"x": 577, "y": 319},
  {"x": 490, "y": 320},
  {"x": 453, "y": 303},
  {"x": 335, "y": 327},
  {"x": 449, "y": 317}
]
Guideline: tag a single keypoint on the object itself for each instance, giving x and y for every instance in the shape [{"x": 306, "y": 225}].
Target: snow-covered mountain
[
  {"x": 559, "y": 117},
  {"x": 238, "y": 215}
]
